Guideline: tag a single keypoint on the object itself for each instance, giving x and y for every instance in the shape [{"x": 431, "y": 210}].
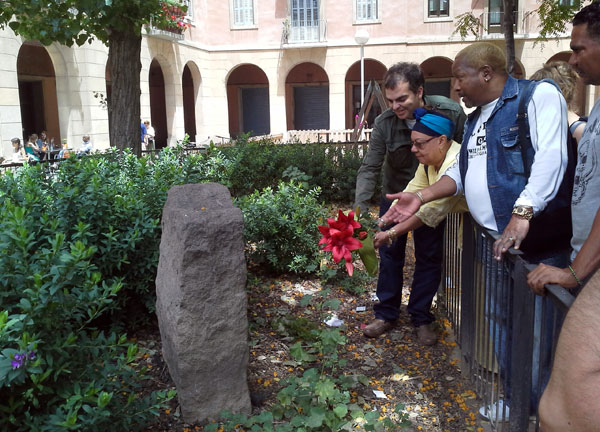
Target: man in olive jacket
[{"x": 390, "y": 148}]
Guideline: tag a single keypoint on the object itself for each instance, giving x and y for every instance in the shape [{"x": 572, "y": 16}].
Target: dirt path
[{"x": 426, "y": 380}]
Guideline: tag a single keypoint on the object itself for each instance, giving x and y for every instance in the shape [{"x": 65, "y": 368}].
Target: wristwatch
[{"x": 524, "y": 212}]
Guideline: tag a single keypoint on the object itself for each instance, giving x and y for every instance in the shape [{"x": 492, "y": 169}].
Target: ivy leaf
[
  {"x": 316, "y": 418},
  {"x": 325, "y": 389},
  {"x": 340, "y": 411},
  {"x": 299, "y": 354},
  {"x": 332, "y": 304}
]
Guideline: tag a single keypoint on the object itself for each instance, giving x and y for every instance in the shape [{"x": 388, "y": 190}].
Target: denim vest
[{"x": 506, "y": 173}]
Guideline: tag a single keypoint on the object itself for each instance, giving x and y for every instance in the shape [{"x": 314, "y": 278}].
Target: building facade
[{"x": 255, "y": 66}]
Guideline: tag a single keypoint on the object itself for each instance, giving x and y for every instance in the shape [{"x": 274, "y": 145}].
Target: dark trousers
[{"x": 426, "y": 279}]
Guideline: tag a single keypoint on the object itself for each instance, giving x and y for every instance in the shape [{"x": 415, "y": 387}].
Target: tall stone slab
[{"x": 201, "y": 301}]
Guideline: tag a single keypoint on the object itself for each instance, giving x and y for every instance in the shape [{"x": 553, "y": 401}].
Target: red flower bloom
[{"x": 338, "y": 238}]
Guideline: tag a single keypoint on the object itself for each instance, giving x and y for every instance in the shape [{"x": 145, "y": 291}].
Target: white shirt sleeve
[
  {"x": 454, "y": 173},
  {"x": 548, "y": 125}
]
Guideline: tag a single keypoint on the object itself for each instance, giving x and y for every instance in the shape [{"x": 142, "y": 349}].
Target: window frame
[
  {"x": 438, "y": 18},
  {"x": 355, "y": 10},
  {"x": 233, "y": 25}
]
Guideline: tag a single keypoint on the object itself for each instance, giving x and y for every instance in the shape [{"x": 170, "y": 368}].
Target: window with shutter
[
  {"x": 366, "y": 10},
  {"x": 243, "y": 13}
]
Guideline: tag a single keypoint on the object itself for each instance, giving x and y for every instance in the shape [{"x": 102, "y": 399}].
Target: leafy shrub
[
  {"x": 257, "y": 165},
  {"x": 281, "y": 227},
  {"x": 58, "y": 371}
]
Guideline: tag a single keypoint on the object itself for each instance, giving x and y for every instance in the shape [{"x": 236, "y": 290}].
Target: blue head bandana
[{"x": 433, "y": 123}]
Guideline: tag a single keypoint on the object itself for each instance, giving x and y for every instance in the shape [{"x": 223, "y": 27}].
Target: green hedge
[{"x": 81, "y": 247}]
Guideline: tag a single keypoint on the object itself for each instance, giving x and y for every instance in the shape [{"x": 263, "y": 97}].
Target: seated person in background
[
  {"x": 433, "y": 146},
  {"x": 86, "y": 148},
  {"x": 44, "y": 145},
  {"x": 18, "y": 151},
  {"x": 32, "y": 149}
]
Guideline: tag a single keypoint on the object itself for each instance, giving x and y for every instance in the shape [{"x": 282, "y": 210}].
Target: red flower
[{"x": 338, "y": 238}]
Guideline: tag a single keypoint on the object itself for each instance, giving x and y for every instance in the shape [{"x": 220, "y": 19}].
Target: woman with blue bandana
[{"x": 432, "y": 145}]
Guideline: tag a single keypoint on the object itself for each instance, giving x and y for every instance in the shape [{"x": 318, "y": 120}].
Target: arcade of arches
[{"x": 307, "y": 93}]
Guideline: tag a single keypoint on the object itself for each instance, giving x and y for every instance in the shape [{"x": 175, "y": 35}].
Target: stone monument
[{"x": 201, "y": 301}]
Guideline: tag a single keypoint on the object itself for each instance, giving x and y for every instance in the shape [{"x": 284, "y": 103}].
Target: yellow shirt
[{"x": 432, "y": 213}]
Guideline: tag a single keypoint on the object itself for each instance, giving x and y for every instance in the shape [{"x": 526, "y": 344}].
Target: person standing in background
[{"x": 149, "y": 137}]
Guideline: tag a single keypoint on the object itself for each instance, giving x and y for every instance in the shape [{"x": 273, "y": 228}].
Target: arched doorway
[
  {"x": 158, "y": 111},
  {"x": 307, "y": 97},
  {"x": 578, "y": 104},
  {"x": 438, "y": 77},
  {"x": 189, "y": 102},
  {"x": 37, "y": 91},
  {"x": 248, "y": 101},
  {"x": 374, "y": 70}
]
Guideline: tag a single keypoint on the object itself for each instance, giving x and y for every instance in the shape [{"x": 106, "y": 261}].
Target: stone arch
[
  {"x": 438, "y": 77},
  {"x": 248, "y": 100},
  {"x": 307, "y": 97},
  {"x": 37, "y": 91},
  {"x": 158, "y": 107},
  {"x": 190, "y": 87},
  {"x": 374, "y": 70}
]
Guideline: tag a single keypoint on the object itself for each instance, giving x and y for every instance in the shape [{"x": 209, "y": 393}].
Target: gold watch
[{"x": 524, "y": 212}]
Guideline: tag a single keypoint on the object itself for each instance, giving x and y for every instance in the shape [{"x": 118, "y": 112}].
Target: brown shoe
[
  {"x": 377, "y": 328},
  {"x": 426, "y": 335}
]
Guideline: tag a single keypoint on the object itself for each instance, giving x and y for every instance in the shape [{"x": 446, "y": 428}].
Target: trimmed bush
[
  {"x": 281, "y": 227},
  {"x": 58, "y": 371}
]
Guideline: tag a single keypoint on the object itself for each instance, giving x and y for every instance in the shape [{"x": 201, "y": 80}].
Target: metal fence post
[
  {"x": 467, "y": 291},
  {"x": 522, "y": 348}
]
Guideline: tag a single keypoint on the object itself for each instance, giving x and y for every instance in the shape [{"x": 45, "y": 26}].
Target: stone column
[{"x": 201, "y": 301}]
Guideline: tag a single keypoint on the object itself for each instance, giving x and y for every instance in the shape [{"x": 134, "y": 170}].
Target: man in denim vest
[
  {"x": 390, "y": 148},
  {"x": 491, "y": 169}
]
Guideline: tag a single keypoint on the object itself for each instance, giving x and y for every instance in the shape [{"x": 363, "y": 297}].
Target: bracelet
[
  {"x": 575, "y": 276},
  {"x": 420, "y": 195},
  {"x": 391, "y": 234}
]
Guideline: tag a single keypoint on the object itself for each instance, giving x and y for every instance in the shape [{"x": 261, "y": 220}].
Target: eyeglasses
[{"x": 420, "y": 144}]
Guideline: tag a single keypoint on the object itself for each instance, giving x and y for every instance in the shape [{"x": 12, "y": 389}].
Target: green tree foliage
[{"x": 117, "y": 24}]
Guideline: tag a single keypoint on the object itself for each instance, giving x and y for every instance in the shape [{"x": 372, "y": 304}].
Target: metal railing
[
  {"x": 304, "y": 31},
  {"x": 507, "y": 335}
]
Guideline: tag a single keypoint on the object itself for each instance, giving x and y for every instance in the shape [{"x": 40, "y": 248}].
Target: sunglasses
[{"x": 421, "y": 144}]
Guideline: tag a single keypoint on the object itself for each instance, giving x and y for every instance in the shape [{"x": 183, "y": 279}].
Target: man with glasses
[{"x": 390, "y": 149}]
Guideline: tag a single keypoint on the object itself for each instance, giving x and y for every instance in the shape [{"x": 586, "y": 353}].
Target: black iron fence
[{"x": 507, "y": 335}]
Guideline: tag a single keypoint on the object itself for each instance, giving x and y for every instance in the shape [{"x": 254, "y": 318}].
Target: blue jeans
[{"x": 429, "y": 244}]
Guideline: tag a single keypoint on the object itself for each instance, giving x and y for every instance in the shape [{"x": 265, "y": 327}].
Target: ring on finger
[
  {"x": 511, "y": 239},
  {"x": 380, "y": 221}
]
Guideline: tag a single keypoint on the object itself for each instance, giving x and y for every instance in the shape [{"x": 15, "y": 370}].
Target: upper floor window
[
  {"x": 188, "y": 4},
  {"x": 242, "y": 12},
  {"x": 366, "y": 10},
  {"x": 438, "y": 8},
  {"x": 496, "y": 13}
]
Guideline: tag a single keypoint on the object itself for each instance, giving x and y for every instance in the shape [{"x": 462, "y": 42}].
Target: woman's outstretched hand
[{"x": 407, "y": 204}]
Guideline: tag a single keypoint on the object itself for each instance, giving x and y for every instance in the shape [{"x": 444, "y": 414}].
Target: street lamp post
[{"x": 362, "y": 37}]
